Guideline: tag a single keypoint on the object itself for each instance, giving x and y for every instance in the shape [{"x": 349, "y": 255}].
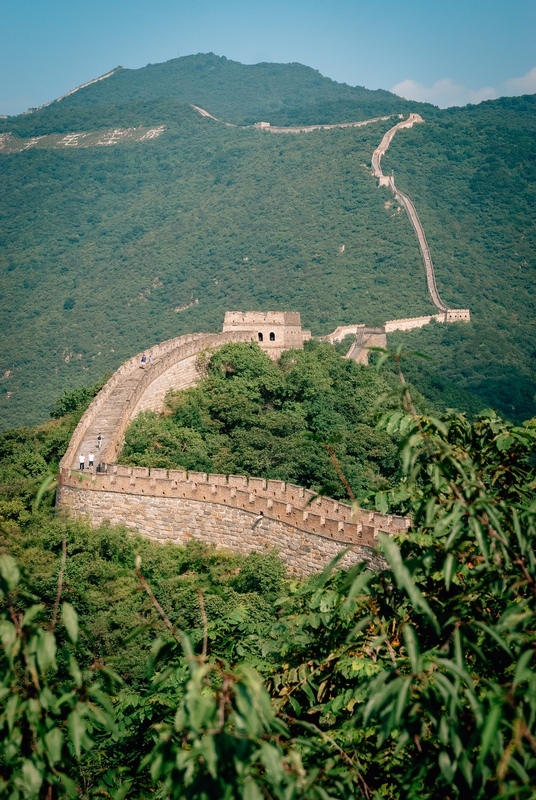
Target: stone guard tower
[{"x": 275, "y": 331}]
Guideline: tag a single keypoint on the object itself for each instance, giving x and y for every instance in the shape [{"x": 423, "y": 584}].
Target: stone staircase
[
  {"x": 114, "y": 406},
  {"x": 107, "y": 422}
]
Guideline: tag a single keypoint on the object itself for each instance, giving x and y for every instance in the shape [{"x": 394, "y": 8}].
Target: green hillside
[
  {"x": 471, "y": 173},
  {"x": 105, "y": 250},
  {"x": 238, "y": 93}
]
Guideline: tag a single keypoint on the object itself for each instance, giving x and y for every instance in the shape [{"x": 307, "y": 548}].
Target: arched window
[
  {"x": 260, "y": 336},
  {"x": 272, "y": 337}
]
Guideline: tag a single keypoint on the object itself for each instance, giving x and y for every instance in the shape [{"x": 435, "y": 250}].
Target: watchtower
[{"x": 275, "y": 331}]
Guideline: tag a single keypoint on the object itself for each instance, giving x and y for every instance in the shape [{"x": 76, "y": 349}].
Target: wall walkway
[
  {"x": 172, "y": 506},
  {"x": 406, "y": 203},
  {"x": 132, "y": 389}
]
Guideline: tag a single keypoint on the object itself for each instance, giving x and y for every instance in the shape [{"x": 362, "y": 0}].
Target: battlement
[
  {"x": 254, "y": 318},
  {"x": 409, "y": 323},
  {"x": 229, "y": 511},
  {"x": 458, "y": 315},
  {"x": 175, "y": 505}
]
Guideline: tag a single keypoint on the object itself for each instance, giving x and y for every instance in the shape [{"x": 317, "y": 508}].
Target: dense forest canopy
[
  {"x": 106, "y": 250},
  {"x": 130, "y": 669},
  {"x": 251, "y": 416}
]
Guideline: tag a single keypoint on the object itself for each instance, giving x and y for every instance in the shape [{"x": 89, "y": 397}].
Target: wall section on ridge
[
  {"x": 231, "y": 512},
  {"x": 132, "y": 389},
  {"x": 228, "y": 511}
]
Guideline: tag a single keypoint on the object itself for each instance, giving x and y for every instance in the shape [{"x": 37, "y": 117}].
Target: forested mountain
[
  {"x": 239, "y": 93},
  {"x": 129, "y": 669},
  {"x": 107, "y": 248}
]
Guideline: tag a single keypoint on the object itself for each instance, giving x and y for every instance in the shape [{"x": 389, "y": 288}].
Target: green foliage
[
  {"x": 262, "y": 574},
  {"x": 234, "y": 217},
  {"x": 226, "y": 740},
  {"x": 76, "y": 400},
  {"x": 101, "y": 587},
  {"x": 50, "y": 708},
  {"x": 251, "y": 416},
  {"x": 209, "y": 237},
  {"x": 28, "y": 455},
  {"x": 414, "y": 682},
  {"x": 425, "y": 669}
]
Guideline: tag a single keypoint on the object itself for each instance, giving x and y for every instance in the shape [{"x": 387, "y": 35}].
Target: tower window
[
  {"x": 272, "y": 337},
  {"x": 260, "y": 336}
]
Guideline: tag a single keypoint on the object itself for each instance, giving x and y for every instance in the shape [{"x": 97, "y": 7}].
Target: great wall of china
[
  {"x": 228, "y": 511},
  {"x": 448, "y": 315},
  {"x": 376, "y": 337},
  {"x": 231, "y": 511},
  {"x": 11, "y": 144}
]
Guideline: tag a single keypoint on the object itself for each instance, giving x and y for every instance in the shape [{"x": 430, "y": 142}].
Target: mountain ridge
[
  {"x": 250, "y": 89},
  {"x": 106, "y": 249}
]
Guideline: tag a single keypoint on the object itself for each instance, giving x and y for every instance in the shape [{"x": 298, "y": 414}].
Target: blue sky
[{"x": 448, "y": 52}]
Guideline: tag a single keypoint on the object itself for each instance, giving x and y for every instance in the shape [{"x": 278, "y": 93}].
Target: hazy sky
[{"x": 448, "y": 52}]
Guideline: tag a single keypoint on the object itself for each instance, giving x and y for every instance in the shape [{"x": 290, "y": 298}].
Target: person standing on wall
[
  {"x": 82, "y": 461},
  {"x": 90, "y": 460},
  {"x": 99, "y": 441}
]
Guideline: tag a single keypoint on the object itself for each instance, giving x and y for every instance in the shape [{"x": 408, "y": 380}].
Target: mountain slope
[
  {"x": 472, "y": 174},
  {"x": 237, "y": 92},
  {"x": 106, "y": 249}
]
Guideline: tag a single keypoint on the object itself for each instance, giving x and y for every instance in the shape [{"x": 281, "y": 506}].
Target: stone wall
[
  {"x": 180, "y": 375},
  {"x": 342, "y": 332},
  {"x": 365, "y": 338},
  {"x": 231, "y": 512},
  {"x": 132, "y": 389},
  {"x": 408, "y": 324},
  {"x": 274, "y": 331}
]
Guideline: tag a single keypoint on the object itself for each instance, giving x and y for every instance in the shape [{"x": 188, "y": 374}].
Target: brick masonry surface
[
  {"x": 177, "y": 520},
  {"x": 228, "y": 511}
]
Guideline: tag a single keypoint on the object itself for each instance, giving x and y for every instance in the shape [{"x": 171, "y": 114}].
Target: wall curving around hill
[
  {"x": 232, "y": 512},
  {"x": 133, "y": 389}
]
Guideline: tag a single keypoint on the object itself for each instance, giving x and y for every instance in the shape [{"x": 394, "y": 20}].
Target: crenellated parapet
[
  {"x": 275, "y": 500},
  {"x": 233, "y": 512}
]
